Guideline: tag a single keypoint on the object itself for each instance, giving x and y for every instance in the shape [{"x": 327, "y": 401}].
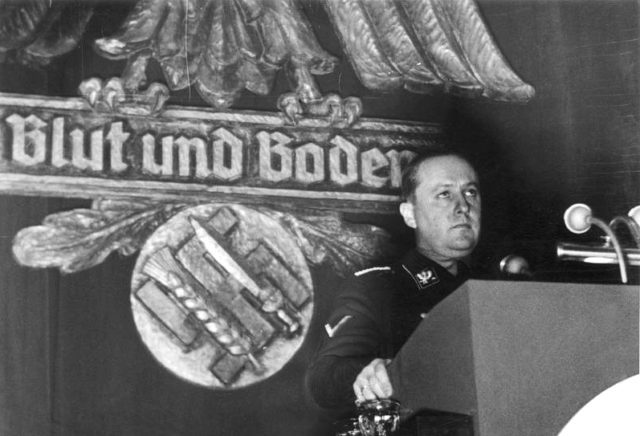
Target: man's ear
[{"x": 408, "y": 214}]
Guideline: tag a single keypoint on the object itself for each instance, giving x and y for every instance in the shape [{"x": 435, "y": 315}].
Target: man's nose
[{"x": 462, "y": 205}]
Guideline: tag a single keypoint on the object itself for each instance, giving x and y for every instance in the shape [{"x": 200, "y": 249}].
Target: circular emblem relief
[{"x": 222, "y": 296}]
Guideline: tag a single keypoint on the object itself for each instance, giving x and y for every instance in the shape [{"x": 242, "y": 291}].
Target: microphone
[
  {"x": 632, "y": 220},
  {"x": 578, "y": 218},
  {"x": 634, "y": 213},
  {"x": 513, "y": 265}
]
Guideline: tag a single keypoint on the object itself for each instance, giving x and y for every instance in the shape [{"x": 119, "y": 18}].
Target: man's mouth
[{"x": 462, "y": 226}]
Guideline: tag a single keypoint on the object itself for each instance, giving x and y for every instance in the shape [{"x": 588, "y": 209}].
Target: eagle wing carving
[
  {"x": 422, "y": 44},
  {"x": 222, "y": 47},
  {"x": 35, "y": 31}
]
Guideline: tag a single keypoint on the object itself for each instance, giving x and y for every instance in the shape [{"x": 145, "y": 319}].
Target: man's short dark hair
[{"x": 410, "y": 180}]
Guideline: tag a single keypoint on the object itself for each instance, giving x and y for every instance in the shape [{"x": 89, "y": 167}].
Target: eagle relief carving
[{"x": 229, "y": 210}]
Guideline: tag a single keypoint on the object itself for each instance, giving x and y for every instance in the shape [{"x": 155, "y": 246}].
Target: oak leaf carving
[
  {"x": 81, "y": 238},
  {"x": 346, "y": 246}
]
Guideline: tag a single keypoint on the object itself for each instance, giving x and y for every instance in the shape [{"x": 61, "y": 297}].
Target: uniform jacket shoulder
[
  {"x": 370, "y": 284},
  {"x": 375, "y": 271}
]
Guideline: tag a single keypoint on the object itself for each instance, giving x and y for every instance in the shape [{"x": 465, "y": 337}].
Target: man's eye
[
  {"x": 444, "y": 194},
  {"x": 471, "y": 193}
]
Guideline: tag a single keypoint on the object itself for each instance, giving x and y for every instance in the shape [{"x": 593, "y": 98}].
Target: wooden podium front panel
[
  {"x": 435, "y": 368},
  {"x": 527, "y": 357}
]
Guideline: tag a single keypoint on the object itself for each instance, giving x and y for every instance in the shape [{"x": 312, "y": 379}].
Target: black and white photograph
[{"x": 319, "y": 217}]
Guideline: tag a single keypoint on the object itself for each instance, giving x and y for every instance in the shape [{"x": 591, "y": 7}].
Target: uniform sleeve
[
  {"x": 330, "y": 379},
  {"x": 353, "y": 337}
]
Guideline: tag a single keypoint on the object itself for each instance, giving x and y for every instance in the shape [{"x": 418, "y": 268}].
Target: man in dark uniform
[{"x": 381, "y": 306}]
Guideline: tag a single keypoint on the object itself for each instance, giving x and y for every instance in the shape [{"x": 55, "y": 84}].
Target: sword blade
[{"x": 223, "y": 258}]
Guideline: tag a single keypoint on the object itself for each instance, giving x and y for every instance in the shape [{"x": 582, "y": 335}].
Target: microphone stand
[
  {"x": 616, "y": 246},
  {"x": 633, "y": 227},
  {"x": 578, "y": 219}
]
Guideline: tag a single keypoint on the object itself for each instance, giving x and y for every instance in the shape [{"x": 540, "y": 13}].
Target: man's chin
[{"x": 464, "y": 246}]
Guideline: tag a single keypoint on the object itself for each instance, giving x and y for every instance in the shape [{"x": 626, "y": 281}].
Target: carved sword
[{"x": 224, "y": 259}]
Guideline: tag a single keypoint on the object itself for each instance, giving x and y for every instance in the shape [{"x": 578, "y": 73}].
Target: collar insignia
[{"x": 425, "y": 278}]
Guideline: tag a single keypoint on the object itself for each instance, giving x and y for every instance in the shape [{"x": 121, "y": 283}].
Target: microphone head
[
  {"x": 514, "y": 265},
  {"x": 634, "y": 213},
  {"x": 577, "y": 218}
]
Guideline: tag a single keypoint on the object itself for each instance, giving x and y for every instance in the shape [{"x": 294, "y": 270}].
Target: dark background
[{"x": 71, "y": 362}]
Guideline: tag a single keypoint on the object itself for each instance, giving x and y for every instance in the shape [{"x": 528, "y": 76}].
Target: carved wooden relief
[
  {"x": 62, "y": 147},
  {"x": 224, "y": 47},
  {"x": 222, "y": 295},
  {"x": 230, "y": 210}
]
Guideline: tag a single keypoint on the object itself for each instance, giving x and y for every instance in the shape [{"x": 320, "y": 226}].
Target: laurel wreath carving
[{"x": 82, "y": 238}]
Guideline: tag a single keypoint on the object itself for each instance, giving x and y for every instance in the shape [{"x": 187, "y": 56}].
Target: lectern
[{"x": 519, "y": 357}]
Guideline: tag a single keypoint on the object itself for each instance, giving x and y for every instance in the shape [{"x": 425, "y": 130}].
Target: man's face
[{"x": 445, "y": 208}]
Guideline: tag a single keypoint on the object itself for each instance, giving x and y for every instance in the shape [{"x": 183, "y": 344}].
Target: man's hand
[{"x": 373, "y": 381}]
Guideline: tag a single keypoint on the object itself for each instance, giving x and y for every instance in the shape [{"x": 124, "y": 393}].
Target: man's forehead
[{"x": 446, "y": 170}]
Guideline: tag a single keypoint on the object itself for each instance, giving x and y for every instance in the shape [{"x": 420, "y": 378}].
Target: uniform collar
[{"x": 426, "y": 273}]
